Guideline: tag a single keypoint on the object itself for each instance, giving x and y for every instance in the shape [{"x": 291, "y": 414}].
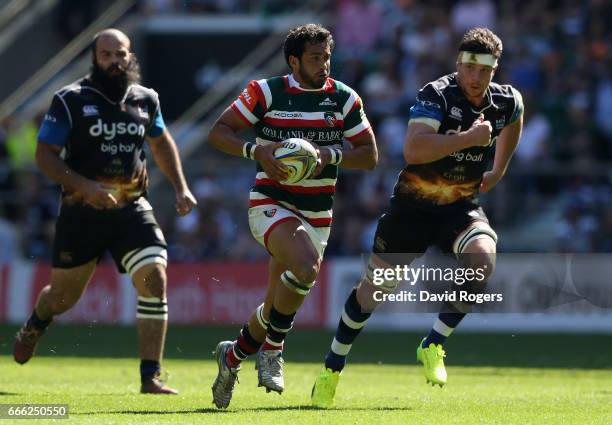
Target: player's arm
[
  {"x": 363, "y": 153},
  {"x": 53, "y": 136},
  {"x": 362, "y": 156},
  {"x": 424, "y": 144},
  {"x": 53, "y": 166},
  {"x": 166, "y": 156},
  {"x": 505, "y": 145},
  {"x": 242, "y": 114},
  {"x": 224, "y": 133}
]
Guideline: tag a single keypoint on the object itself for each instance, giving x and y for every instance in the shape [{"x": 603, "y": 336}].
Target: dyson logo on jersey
[{"x": 114, "y": 129}]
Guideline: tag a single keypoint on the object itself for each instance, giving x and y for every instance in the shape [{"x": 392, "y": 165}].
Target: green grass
[{"x": 493, "y": 379}]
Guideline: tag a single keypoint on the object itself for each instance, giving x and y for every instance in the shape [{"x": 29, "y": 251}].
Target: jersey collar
[{"x": 295, "y": 85}]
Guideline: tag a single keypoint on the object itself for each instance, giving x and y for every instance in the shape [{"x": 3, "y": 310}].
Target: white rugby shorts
[{"x": 264, "y": 218}]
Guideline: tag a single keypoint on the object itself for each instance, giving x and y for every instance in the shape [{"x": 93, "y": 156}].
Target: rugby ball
[{"x": 299, "y": 156}]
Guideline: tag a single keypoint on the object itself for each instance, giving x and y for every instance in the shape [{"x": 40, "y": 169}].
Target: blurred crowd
[
  {"x": 557, "y": 53},
  {"x": 586, "y": 224},
  {"x": 264, "y": 7}
]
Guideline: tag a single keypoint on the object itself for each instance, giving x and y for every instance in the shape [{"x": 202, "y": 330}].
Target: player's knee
[
  {"x": 375, "y": 278},
  {"x": 478, "y": 238},
  {"x": 482, "y": 263},
  {"x": 307, "y": 273},
  {"x": 487, "y": 264},
  {"x": 154, "y": 283},
  {"x": 478, "y": 250},
  {"x": 307, "y": 269}
]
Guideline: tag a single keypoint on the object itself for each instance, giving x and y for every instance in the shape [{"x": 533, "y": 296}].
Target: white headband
[{"x": 477, "y": 58}]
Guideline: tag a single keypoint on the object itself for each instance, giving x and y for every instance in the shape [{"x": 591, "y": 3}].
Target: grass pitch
[{"x": 510, "y": 385}]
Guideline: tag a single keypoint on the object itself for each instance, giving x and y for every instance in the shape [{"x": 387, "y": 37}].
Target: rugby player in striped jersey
[{"x": 291, "y": 221}]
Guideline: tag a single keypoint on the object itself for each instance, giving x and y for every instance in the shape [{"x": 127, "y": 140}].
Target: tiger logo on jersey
[
  {"x": 270, "y": 213},
  {"x": 330, "y": 118}
]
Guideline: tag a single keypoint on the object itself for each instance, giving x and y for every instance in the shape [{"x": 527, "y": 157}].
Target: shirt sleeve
[
  {"x": 519, "y": 108},
  {"x": 251, "y": 105},
  {"x": 56, "y": 124},
  {"x": 355, "y": 120},
  {"x": 429, "y": 108},
  {"x": 158, "y": 125}
]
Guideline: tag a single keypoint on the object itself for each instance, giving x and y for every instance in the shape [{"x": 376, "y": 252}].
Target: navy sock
[
  {"x": 148, "y": 369},
  {"x": 335, "y": 362},
  {"x": 443, "y": 327},
  {"x": 351, "y": 323},
  {"x": 37, "y": 322}
]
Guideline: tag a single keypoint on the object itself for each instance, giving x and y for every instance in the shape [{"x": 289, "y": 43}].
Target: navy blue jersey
[
  {"x": 455, "y": 178},
  {"x": 101, "y": 139}
]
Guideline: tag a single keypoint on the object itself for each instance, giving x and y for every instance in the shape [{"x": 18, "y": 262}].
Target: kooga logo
[{"x": 117, "y": 128}]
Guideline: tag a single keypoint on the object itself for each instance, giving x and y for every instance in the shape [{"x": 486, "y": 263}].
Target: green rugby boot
[
  {"x": 432, "y": 359},
  {"x": 324, "y": 389}
]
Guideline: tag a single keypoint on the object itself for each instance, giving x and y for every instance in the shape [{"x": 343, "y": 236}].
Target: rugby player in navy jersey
[
  {"x": 458, "y": 123},
  {"x": 292, "y": 221},
  {"x": 91, "y": 143}
]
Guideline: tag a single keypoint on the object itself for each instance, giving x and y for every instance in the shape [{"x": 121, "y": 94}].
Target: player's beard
[
  {"x": 115, "y": 85},
  {"x": 312, "y": 81}
]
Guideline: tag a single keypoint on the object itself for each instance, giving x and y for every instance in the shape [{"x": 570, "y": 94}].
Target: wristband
[
  {"x": 248, "y": 150},
  {"x": 336, "y": 156}
]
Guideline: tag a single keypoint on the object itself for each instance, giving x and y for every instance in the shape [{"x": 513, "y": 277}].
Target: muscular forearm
[
  {"x": 167, "y": 158},
  {"x": 503, "y": 154},
  {"x": 57, "y": 170},
  {"x": 360, "y": 157},
  {"x": 224, "y": 138},
  {"x": 428, "y": 147},
  {"x": 363, "y": 154},
  {"x": 505, "y": 145}
]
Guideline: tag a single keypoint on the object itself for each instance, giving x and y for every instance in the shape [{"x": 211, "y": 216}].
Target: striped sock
[
  {"x": 243, "y": 347},
  {"x": 352, "y": 320},
  {"x": 279, "y": 327},
  {"x": 444, "y": 325}
]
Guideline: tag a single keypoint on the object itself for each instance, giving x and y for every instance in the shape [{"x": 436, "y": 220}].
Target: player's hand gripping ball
[{"x": 300, "y": 158}]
